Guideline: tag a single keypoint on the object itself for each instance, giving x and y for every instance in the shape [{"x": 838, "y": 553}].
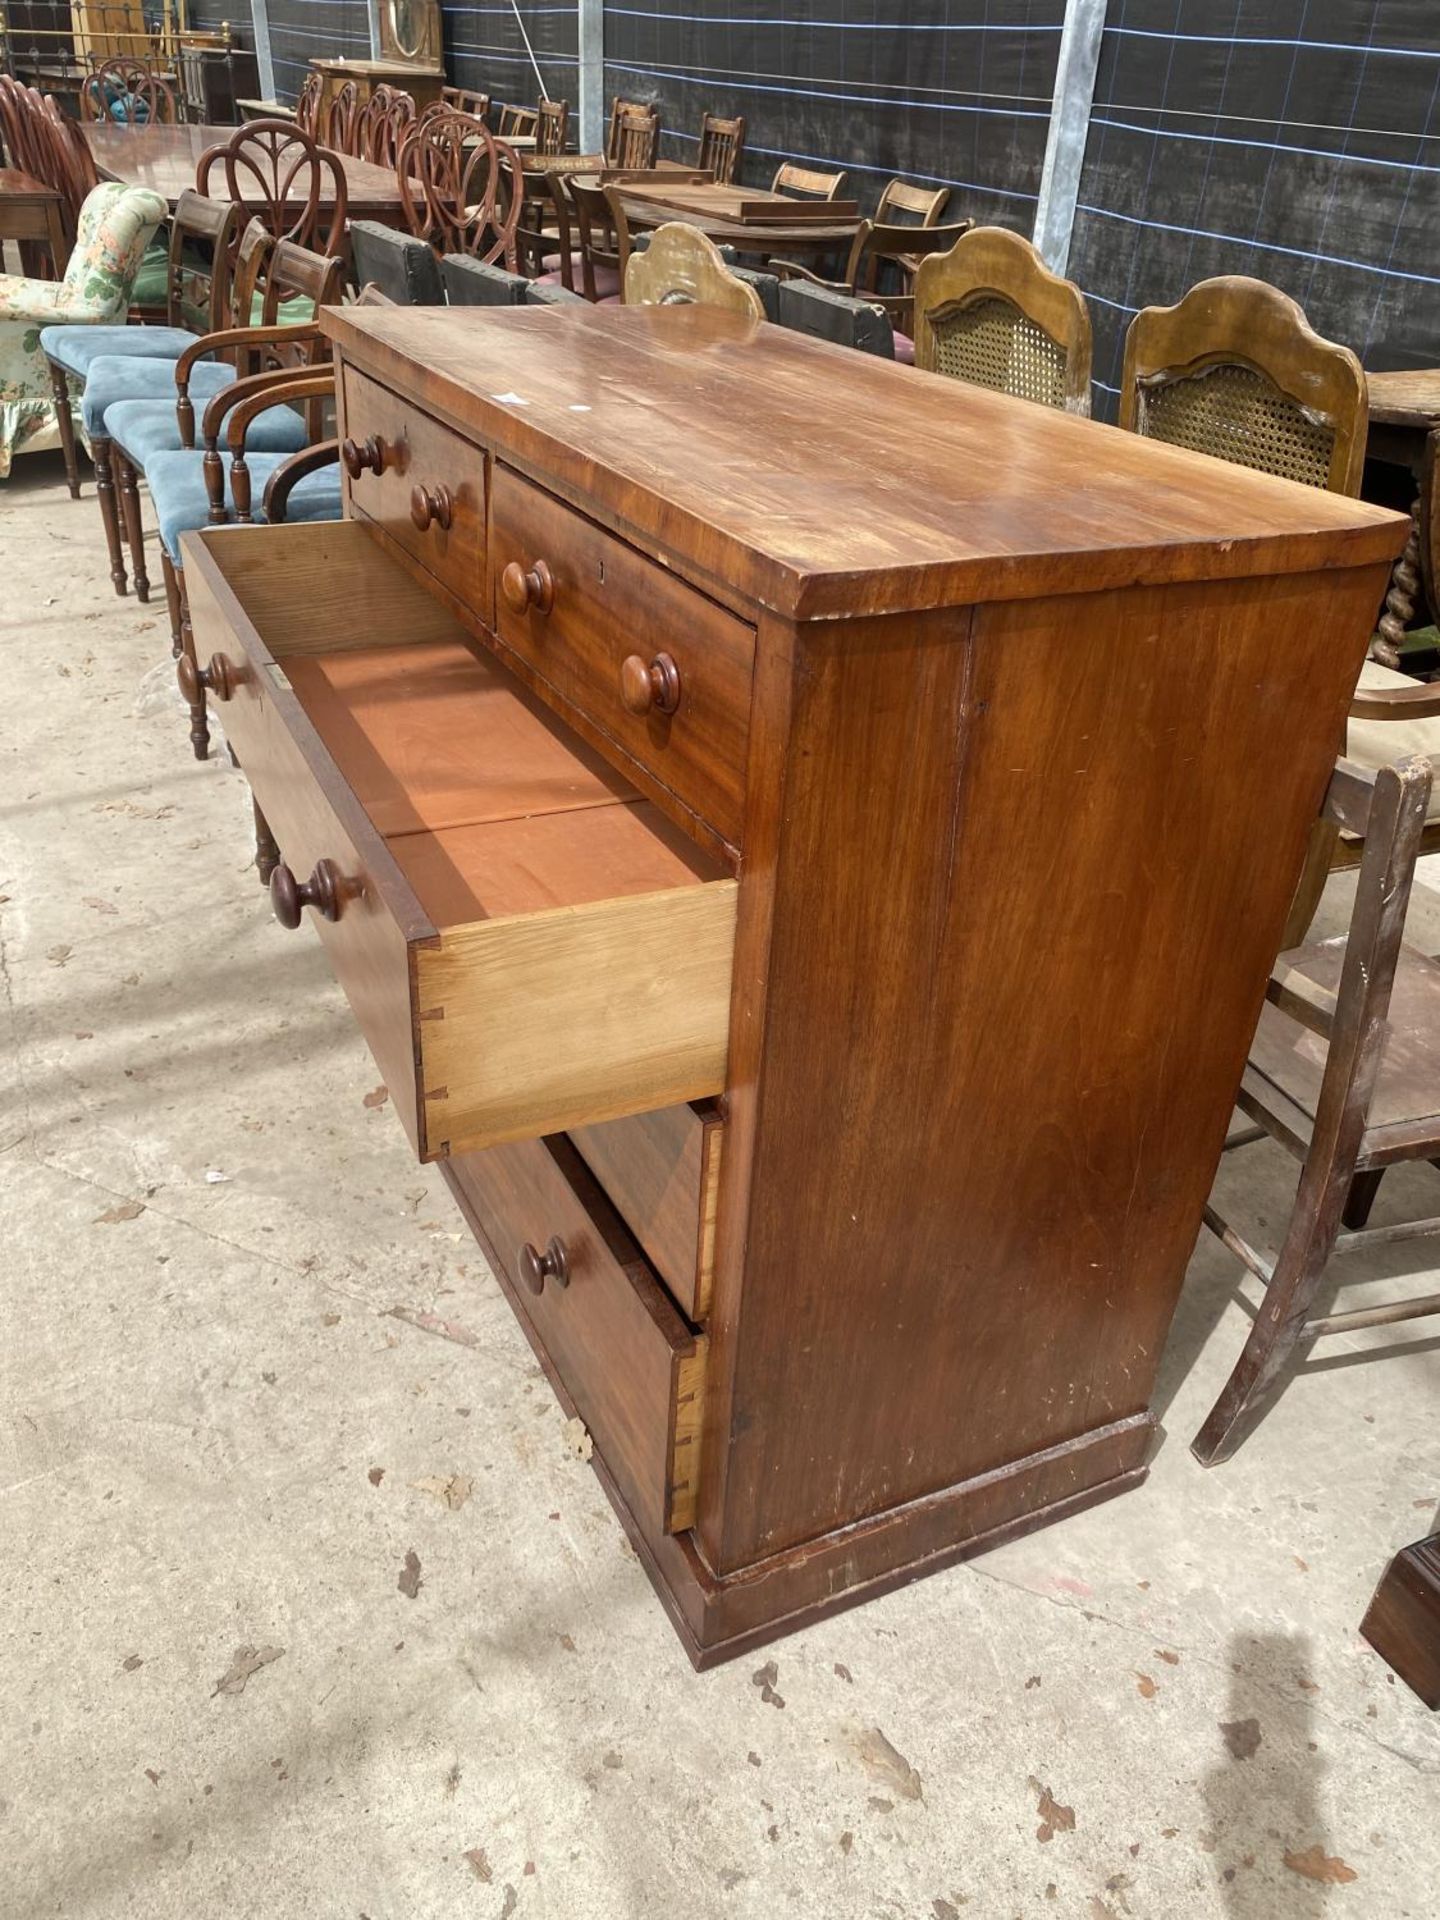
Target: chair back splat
[
  {"x": 283, "y": 177},
  {"x": 721, "y": 144},
  {"x": 1235, "y": 370},
  {"x": 683, "y": 267},
  {"x": 991, "y": 312}
]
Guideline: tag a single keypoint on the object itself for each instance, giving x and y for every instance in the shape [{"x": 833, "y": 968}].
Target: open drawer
[{"x": 526, "y": 944}]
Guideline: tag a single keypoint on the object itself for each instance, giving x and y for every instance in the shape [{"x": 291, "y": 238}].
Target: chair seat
[
  {"x": 111, "y": 379},
  {"x": 76, "y": 347},
  {"x": 904, "y": 349},
  {"x": 607, "y": 279},
  {"x": 144, "y": 428},
  {"x": 1289, "y": 1059},
  {"x": 1380, "y": 743},
  {"x": 177, "y": 490}
]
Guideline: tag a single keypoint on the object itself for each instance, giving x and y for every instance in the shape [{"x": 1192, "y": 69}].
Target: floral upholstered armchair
[{"x": 115, "y": 226}]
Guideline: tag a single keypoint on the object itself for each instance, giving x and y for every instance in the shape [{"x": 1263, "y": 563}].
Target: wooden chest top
[{"x": 823, "y": 482}]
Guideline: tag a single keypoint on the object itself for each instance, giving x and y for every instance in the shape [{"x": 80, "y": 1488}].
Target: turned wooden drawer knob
[
  {"x": 651, "y": 686},
  {"x": 536, "y": 1268},
  {"x": 356, "y": 456},
  {"x": 431, "y": 507},
  {"x": 218, "y": 678},
  {"x": 288, "y": 899},
  {"x": 526, "y": 587}
]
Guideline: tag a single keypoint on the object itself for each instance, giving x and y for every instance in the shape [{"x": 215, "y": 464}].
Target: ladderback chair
[
  {"x": 683, "y": 267},
  {"x": 721, "y": 144},
  {"x": 127, "y": 89},
  {"x": 901, "y": 205},
  {"x": 991, "y": 313},
  {"x": 603, "y": 236},
  {"x": 1343, "y": 1072},
  {"x": 460, "y": 187},
  {"x": 1235, "y": 370},
  {"x": 806, "y": 183},
  {"x": 278, "y": 174}
]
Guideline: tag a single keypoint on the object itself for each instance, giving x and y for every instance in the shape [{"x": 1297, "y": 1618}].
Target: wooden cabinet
[{"x": 809, "y": 839}]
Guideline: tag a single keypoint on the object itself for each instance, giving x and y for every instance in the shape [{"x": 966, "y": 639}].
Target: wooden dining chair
[
  {"x": 881, "y": 268},
  {"x": 382, "y": 123},
  {"x": 129, "y": 90},
  {"x": 1235, "y": 370},
  {"x": 307, "y": 106},
  {"x": 634, "y": 142},
  {"x": 806, "y": 183},
  {"x": 901, "y": 205},
  {"x": 990, "y": 312},
  {"x": 279, "y": 175},
  {"x": 342, "y": 118},
  {"x": 1344, "y": 1073},
  {"x": 545, "y": 245},
  {"x": 683, "y": 267},
  {"x": 722, "y": 142},
  {"x": 552, "y": 125},
  {"x": 515, "y": 121},
  {"x": 465, "y": 100},
  {"x": 460, "y": 188},
  {"x": 602, "y": 235}
]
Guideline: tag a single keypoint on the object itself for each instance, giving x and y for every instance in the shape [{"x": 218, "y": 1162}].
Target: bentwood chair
[
  {"x": 279, "y": 175},
  {"x": 307, "y": 107},
  {"x": 1343, "y": 1072},
  {"x": 128, "y": 90},
  {"x": 990, "y": 312},
  {"x": 1235, "y": 370},
  {"x": 721, "y": 144},
  {"x": 683, "y": 267}
]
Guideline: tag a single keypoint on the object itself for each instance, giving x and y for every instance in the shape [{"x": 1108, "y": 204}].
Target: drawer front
[
  {"x": 429, "y": 476},
  {"x": 629, "y": 1363},
  {"x": 661, "y": 670},
  {"x": 662, "y": 1171},
  {"x": 313, "y": 817}
]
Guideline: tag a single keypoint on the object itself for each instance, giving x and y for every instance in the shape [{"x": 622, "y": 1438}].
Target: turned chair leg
[
  {"x": 195, "y": 697},
  {"x": 109, "y": 511},
  {"x": 134, "y": 526},
  {"x": 1363, "y": 1189},
  {"x": 60, "y": 389},
  {"x": 1281, "y": 1320},
  {"x": 267, "y": 854},
  {"x": 172, "y": 601}
]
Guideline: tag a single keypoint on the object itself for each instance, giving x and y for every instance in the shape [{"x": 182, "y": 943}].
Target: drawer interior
[{"x": 489, "y": 809}]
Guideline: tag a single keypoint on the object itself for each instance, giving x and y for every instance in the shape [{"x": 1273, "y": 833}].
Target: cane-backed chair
[
  {"x": 1344, "y": 1072},
  {"x": 1235, "y": 370},
  {"x": 279, "y": 175},
  {"x": 721, "y": 144},
  {"x": 990, "y": 312},
  {"x": 129, "y": 90},
  {"x": 683, "y": 267}
]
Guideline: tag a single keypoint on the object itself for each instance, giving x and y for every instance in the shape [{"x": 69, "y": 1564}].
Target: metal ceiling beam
[{"x": 1069, "y": 130}]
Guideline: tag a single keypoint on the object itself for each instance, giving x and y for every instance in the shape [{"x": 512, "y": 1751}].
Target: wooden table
[
  {"x": 31, "y": 211},
  {"x": 165, "y": 158},
  {"x": 714, "y": 210},
  {"x": 1405, "y": 432},
  {"x": 871, "y": 700}
]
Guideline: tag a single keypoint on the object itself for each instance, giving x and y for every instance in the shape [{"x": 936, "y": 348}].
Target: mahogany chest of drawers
[{"x": 804, "y": 841}]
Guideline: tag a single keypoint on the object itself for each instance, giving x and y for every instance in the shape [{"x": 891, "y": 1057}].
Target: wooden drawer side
[{"x": 662, "y": 1172}]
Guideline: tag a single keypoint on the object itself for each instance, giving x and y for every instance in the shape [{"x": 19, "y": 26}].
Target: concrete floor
[{"x": 222, "y": 1429}]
